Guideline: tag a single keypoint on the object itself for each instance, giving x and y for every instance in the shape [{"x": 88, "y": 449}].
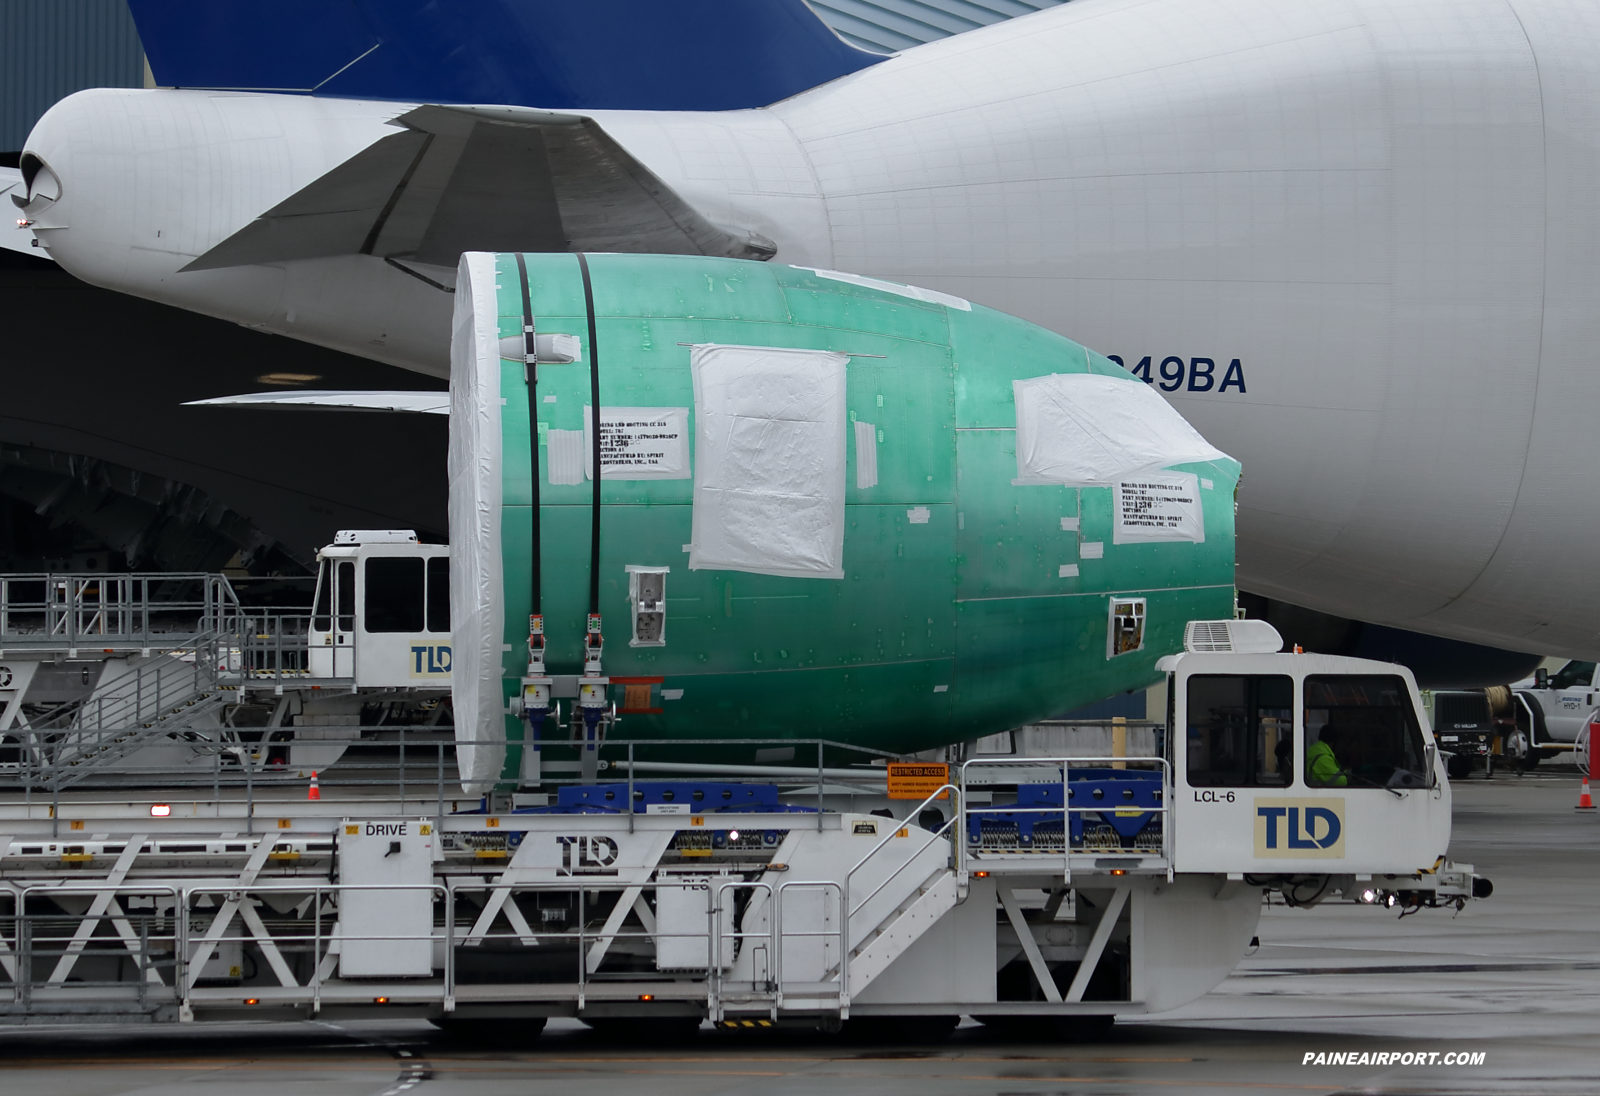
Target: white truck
[{"x": 1554, "y": 712}]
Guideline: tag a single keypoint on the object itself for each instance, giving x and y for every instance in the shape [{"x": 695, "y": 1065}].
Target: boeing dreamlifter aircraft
[{"x": 1352, "y": 241}]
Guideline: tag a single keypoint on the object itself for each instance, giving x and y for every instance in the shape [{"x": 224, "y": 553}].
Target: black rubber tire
[
  {"x": 900, "y": 1029},
  {"x": 492, "y": 1032},
  {"x": 644, "y": 1030},
  {"x": 1049, "y": 1029},
  {"x": 1458, "y": 766}
]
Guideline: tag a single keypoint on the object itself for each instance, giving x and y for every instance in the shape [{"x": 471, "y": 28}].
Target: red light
[
  {"x": 160, "y": 810},
  {"x": 252, "y": 1000},
  {"x": 380, "y": 1000},
  {"x": 647, "y": 997}
]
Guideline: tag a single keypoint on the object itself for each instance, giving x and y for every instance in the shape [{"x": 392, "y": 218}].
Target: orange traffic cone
[
  {"x": 314, "y": 793},
  {"x": 1585, "y": 803}
]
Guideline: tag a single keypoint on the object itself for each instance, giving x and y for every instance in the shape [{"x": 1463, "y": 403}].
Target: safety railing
[
  {"x": 69, "y": 611},
  {"x": 1035, "y": 855},
  {"x": 43, "y": 954},
  {"x": 275, "y": 646},
  {"x": 956, "y": 851},
  {"x": 293, "y": 960},
  {"x": 839, "y": 937}
]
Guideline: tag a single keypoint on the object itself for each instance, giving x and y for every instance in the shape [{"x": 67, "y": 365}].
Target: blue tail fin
[{"x": 573, "y": 54}]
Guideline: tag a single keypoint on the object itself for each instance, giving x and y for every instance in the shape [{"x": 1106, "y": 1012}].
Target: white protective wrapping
[
  {"x": 564, "y": 457},
  {"x": 477, "y": 601},
  {"x": 769, "y": 460},
  {"x": 866, "y": 455},
  {"x": 1087, "y": 429}
]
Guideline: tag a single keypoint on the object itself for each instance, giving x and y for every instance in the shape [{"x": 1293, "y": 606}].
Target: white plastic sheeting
[
  {"x": 1085, "y": 428},
  {"x": 477, "y": 597},
  {"x": 565, "y": 457},
  {"x": 913, "y": 292},
  {"x": 769, "y": 459},
  {"x": 866, "y": 455}
]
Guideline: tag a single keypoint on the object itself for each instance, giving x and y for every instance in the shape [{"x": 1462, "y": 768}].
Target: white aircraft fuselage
[{"x": 1353, "y": 241}]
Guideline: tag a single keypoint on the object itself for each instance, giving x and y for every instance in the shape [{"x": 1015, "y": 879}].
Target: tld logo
[
  {"x": 587, "y": 856},
  {"x": 1299, "y": 828},
  {"x": 429, "y": 659}
]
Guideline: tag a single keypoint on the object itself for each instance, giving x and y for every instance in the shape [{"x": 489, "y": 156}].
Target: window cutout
[
  {"x": 1125, "y": 631},
  {"x": 647, "y": 594},
  {"x": 1240, "y": 730}
]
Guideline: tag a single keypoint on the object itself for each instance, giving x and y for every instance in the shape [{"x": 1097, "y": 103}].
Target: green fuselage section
[{"x": 944, "y": 628}]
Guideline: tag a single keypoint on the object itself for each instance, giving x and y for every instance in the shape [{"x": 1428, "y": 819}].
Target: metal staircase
[
  {"x": 169, "y": 647},
  {"x": 911, "y": 919},
  {"x": 154, "y": 698}
]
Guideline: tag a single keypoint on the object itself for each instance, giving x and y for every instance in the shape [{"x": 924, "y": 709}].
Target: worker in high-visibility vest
[{"x": 1322, "y": 764}]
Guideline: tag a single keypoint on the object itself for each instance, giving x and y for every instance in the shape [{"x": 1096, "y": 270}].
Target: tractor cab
[
  {"x": 381, "y": 614},
  {"x": 1298, "y": 763}
]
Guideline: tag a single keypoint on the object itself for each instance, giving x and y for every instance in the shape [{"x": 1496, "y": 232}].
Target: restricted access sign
[{"x": 917, "y": 780}]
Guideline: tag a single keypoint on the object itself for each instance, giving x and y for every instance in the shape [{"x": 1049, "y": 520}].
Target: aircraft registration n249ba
[{"x": 1352, "y": 241}]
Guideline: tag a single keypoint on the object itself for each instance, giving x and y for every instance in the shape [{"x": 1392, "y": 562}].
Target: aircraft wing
[
  {"x": 14, "y": 237},
  {"x": 461, "y": 179},
  {"x": 426, "y": 403}
]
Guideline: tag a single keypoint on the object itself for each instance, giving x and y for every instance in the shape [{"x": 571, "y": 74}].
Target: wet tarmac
[{"x": 1515, "y": 979}]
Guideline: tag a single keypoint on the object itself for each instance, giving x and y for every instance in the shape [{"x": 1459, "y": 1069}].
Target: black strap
[
  {"x": 532, "y": 369},
  {"x": 594, "y": 399}
]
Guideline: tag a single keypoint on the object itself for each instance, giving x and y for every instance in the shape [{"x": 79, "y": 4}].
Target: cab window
[
  {"x": 345, "y": 580},
  {"x": 322, "y": 614},
  {"x": 439, "y": 594},
  {"x": 1362, "y": 732},
  {"x": 1240, "y": 730},
  {"x": 394, "y": 600},
  {"x": 1574, "y": 675}
]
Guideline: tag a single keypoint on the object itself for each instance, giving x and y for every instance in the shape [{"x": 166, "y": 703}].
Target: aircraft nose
[
  {"x": 41, "y": 164},
  {"x": 74, "y": 164}
]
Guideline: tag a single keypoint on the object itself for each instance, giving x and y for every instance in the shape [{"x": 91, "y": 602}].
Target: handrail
[
  {"x": 843, "y": 934},
  {"x": 91, "y": 608},
  {"x": 851, "y": 910},
  {"x": 714, "y": 935},
  {"x": 1066, "y": 810},
  {"x": 932, "y": 837}
]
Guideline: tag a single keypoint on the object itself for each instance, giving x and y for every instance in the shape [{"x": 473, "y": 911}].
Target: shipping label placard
[
  {"x": 1162, "y": 506},
  {"x": 639, "y": 443}
]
